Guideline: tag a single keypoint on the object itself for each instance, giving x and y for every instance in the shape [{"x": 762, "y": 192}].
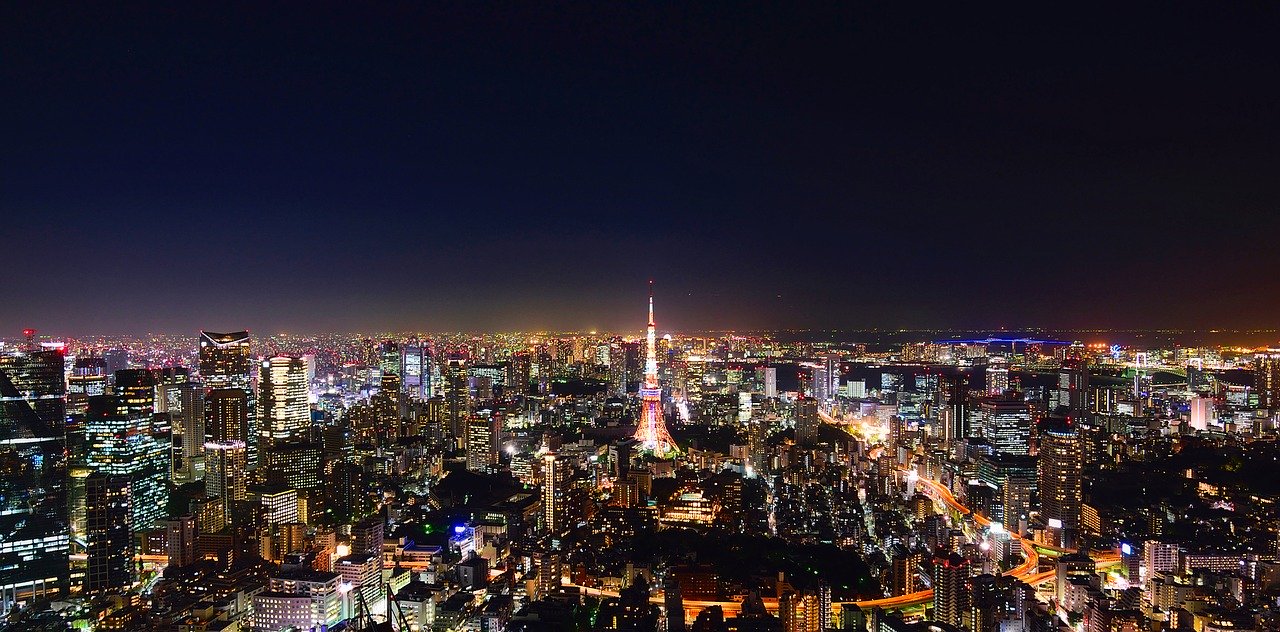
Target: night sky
[{"x": 447, "y": 166}]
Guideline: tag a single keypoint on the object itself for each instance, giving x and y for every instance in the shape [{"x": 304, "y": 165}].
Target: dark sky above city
[{"x": 433, "y": 166}]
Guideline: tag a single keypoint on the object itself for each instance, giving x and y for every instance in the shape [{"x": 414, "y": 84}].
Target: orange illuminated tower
[{"x": 652, "y": 432}]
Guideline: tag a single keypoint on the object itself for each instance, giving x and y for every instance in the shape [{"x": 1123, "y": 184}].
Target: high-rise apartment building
[
  {"x": 997, "y": 375},
  {"x": 553, "y": 493},
  {"x": 807, "y": 421},
  {"x": 1061, "y": 464},
  {"x": 225, "y": 475},
  {"x": 1266, "y": 378},
  {"x": 180, "y": 540},
  {"x": 950, "y": 592}
]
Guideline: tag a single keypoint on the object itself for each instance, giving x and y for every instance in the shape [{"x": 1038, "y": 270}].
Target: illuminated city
[{"x": 633, "y": 318}]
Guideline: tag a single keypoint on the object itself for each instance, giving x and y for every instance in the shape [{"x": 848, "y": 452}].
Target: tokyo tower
[{"x": 652, "y": 432}]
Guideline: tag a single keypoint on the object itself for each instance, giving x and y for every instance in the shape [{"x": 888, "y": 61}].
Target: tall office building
[
  {"x": 415, "y": 371},
  {"x": 1072, "y": 391},
  {"x": 284, "y": 413},
  {"x": 88, "y": 377},
  {"x": 226, "y": 363},
  {"x": 950, "y": 592},
  {"x": 1005, "y": 423},
  {"x": 115, "y": 359},
  {"x": 1060, "y": 480},
  {"x": 1202, "y": 412},
  {"x": 183, "y": 402},
  {"x": 34, "y": 536},
  {"x": 457, "y": 396},
  {"x": 225, "y": 464},
  {"x": 1014, "y": 479},
  {"x": 136, "y": 389},
  {"x": 389, "y": 357},
  {"x": 771, "y": 381},
  {"x": 108, "y": 534},
  {"x": 226, "y": 415},
  {"x": 120, "y": 443},
  {"x": 297, "y": 464},
  {"x": 483, "y": 430}
]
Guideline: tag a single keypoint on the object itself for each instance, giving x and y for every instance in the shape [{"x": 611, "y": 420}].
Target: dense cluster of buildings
[{"x": 230, "y": 482}]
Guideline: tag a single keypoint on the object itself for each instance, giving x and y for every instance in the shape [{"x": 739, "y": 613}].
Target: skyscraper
[
  {"x": 950, "y": 593},
  {"x": 830, "y": 382},
  {"x": 226, "y": 413},
  {"x": 652, "y": 432},
  {"x": 34, "y": 534},
  {"x": 136, "y": 389},
  {"x": 414, "y": 369},
  {"x": 457, "y": 395},
  {"x": 519, "y": 373},
  {"x": 226, "y": 363},
  {"x": 184, "y": 404},
  {"x": 1266, "y": 378},
  {"x": 108, "y": 534},
  {"x": 1073, "y": 389},
  {"x": 954, "y": 390},
  {"x": 807, "y": 421},
  {"x": 1060, "y": 480},
  {"x": 553, "y": 476},
  {"x": 89, "y": 377},
  {"x": 284, "y": 413},
  {"x": 1005, "y": 422},
  {"x": 1014, "y": 478},
  {"x": 120, "y": 443},
  {"x": 224, "y": 475},
  {"x": 483, "y": 430},
  {"x": 997, "y": 376}
]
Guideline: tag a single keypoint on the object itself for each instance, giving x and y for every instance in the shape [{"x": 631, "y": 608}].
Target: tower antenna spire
[
  {"x": 650, "y": 302},
  {"x": 652, "y": 432}
]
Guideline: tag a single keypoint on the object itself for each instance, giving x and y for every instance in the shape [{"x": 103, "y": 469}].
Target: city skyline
[
  {"x": 458, "y": 168},
  {"x": 332, "y": 317}
]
